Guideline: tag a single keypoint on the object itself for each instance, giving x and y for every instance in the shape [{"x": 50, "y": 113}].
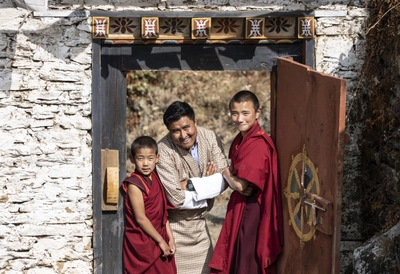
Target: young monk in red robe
[
  {"x": 149, "y": 245},
  {"x": 251, "y": 236}
]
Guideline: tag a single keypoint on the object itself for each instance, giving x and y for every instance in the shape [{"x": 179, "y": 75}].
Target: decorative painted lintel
[{"x": 203, "y": 28}]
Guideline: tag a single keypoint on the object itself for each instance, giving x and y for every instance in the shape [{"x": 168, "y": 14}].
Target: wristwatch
[{"x": 189, "y": 185}]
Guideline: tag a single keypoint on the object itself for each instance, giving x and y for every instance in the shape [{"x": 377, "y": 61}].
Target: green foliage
[
  {"x": 139, "y": 82},
  {"x": 208, "y": 92}
]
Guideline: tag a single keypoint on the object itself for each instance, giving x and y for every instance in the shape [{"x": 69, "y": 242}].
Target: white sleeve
[
  {"x": 191, "y": 203},
  {"x": 208, "y": 187}
]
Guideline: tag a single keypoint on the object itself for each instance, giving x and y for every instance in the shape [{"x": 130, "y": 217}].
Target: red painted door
[{"x": 309, "y": 135}]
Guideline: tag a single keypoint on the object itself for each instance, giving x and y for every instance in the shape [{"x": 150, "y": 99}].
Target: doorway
[
  {"x": 110, "y": 64},
  {"x": 149, "y": 93}
]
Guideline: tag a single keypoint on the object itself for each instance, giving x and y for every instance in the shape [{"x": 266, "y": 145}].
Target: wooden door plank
[
  {"x": 112, "y": 118},
  {"x": 289, "y": 143},
  {"x": 310, "y": 113},
  {"x": 331, "y": 100},
  {"x": 96, "y": 160},
  {"x": 273, "y": 97}
]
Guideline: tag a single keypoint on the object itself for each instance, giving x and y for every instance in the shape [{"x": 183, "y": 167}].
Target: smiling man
[{"x": 189, "y": 151}]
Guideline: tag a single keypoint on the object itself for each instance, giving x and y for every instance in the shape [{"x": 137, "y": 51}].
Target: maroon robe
[
  {"x": 141, "y": 254},
  {"x": 254, "y": 159}
]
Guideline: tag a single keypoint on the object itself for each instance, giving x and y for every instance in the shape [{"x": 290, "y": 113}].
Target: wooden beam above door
[{"x": 163, "y": 29}]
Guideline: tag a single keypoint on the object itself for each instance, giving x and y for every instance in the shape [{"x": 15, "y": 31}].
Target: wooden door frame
[{"x": 109, "y": 118}]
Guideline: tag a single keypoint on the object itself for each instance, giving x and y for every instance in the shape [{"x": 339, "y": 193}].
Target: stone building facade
[{"x": 45, "y": 120}]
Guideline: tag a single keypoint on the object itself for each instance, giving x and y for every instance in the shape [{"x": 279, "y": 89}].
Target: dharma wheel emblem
[{"x": 302, "y": 190}]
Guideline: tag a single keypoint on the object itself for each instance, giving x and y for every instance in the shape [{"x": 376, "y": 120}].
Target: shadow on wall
[{"x": 35, "y": 54}]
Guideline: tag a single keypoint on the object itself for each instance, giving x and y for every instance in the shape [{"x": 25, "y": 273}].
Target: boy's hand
[
  {"x": 211, "y": 169},
  {"x": 165, "y": 249},
  {"x": 172, "y": 247}
]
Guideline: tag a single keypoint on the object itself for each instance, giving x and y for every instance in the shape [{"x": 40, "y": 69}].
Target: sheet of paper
[
  {"x": 208, "y": 187},
  {"x": 191, "y": 203}
]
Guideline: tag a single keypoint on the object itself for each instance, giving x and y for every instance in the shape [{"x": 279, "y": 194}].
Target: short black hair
[
  {"x": 245, "y": 96},
  {"x": 176, "y": 111},
  {"x": 143, "y": 142}
]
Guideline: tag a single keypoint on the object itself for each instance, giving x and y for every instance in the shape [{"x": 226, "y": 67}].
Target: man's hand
[
  {"x": 211, "y": 169},
  {"x": 183, "y": 184}
]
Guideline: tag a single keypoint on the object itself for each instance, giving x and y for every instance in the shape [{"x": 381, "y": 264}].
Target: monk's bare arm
[
  {"x": 137, "y": 203},
  {"x": 236, "y": 183}
]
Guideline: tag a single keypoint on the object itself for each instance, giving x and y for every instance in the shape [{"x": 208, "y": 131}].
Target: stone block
[
  {"x": 380, "y": 254},
  {"x": 32, "y": 5}
]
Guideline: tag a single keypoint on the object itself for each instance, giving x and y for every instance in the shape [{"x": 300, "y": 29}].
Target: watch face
[{"x": 189, "y": 185}]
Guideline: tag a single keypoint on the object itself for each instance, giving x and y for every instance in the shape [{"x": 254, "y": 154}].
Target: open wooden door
[{"x": 309, "y": 136}]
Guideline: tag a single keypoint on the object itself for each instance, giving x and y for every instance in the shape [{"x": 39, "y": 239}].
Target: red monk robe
[
  {"x": 141, "y": 254},
  {"x": 254, "y": 159}
]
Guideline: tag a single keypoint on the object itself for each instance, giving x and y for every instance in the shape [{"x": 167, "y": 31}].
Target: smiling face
[
  {"x": 145, "y": 160},
  {"x": 183, "y": 132},
  {"x": 244, "y": 115}
]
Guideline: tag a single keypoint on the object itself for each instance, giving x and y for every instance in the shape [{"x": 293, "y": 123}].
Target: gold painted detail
[
  {"x": 302, "y": 244},
  {"x": 201, "y": 28},
  {"x": 306, "y": 27},
  {"x": 255, "y": 28},
  {"x": 150, "y": 28},
  {"x": 100, "y": 27},
  {"x": 301, "y": 184}
]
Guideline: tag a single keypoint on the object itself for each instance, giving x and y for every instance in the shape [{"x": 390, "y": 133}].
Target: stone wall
[
  {"x": 45, "y": 144},
  {"x": 45, "y": 123},
  {"x": 339, "y": 51}
]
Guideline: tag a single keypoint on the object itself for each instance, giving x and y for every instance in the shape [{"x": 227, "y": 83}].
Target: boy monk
[
  {"x": 251, "y": 236},
  {"x": 149, "y": 245}
]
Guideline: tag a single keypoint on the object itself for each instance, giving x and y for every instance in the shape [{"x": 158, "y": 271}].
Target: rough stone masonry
[{"x": 45, "y": 122}]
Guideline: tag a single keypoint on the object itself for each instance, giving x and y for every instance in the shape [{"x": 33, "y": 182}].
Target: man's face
[
  {"x": 244, "y": 115},
  {"x": 183, "y": 132}
]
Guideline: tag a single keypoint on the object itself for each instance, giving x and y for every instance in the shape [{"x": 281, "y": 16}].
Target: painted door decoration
[{"x": 309, "y": 136}]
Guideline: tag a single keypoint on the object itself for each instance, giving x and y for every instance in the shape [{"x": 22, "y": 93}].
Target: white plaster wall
[
  {"x": 45, "y": 120},
  {"x": 45, "y": 144}
]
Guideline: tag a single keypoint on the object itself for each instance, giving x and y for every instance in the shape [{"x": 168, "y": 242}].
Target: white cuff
[
  {"x": 208, "y": 187},
  {"x": 190, "y": 202}
]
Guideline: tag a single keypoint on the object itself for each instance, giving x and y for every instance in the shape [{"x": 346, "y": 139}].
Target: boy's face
[
  {"x": 145, "y": 160},
  {"x": 183, "y": 132},
  {"x": 244, "y": 115}
]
